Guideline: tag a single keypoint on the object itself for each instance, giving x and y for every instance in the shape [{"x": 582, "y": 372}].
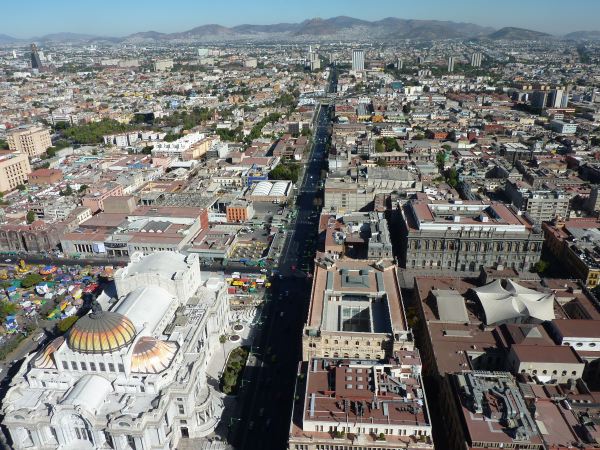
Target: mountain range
[
  {"x": 518, "y": 34},
  {"x": 335, "y": 28}
]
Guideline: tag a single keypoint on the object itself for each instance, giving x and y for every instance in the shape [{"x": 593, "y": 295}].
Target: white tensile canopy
[{"x": 502, "y": 304}]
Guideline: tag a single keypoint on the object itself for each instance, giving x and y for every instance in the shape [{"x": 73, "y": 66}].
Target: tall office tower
[
  {"x": 313, "y": 62},
  {"x": 476, "y": 59},
  {"x": 451, "y": 64},
  {"x": 555, "y": 99},
  {"x": 565, "y": 100},
  {"x": 14, "y": 54},
  {"x": 420, "y": 60},
  {"x": 36, "y": 62},
  {"x": 399, "y": 64},
  {"x": 539, "y": 99},
  {"x": 358, "y": 60}
]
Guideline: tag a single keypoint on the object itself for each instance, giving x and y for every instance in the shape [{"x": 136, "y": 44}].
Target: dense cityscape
[{"x": 329, "y": 235}]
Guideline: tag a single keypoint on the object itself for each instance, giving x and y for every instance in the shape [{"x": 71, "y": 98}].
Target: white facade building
[
  {"x": 131, "y": 374},
  {"x": 358, "y": 60}
]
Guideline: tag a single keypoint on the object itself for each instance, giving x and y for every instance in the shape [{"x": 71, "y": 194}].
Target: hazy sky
[{"x": 27, "y": 18}]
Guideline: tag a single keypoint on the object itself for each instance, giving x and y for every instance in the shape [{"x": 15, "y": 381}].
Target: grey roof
[{"x": 451, "y": 306}]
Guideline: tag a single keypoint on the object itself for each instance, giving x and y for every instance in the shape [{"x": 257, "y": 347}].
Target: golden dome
[
  {"x": 151, "y": 355},
  {"x": 45, "y": 360},
  {"x": 101, "y": 332}
]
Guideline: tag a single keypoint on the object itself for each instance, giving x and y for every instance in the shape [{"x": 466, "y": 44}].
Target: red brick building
[{"x": 45, "y": 176}]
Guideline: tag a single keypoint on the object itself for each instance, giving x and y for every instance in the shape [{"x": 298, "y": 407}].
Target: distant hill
[
  {"x": 5, "y": 39},
  {"x": 146, "y": 35},
  {"x": 583, "y": 35},
  {"x": 518, "y": 34},
  {"x": 275, "y": 28},
  {"x": 203, "y": 31}
]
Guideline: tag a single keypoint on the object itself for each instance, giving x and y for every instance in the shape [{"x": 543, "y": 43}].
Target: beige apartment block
[
  {"x": 32, "y": 141},
  {"x": 14, "y": 168}
]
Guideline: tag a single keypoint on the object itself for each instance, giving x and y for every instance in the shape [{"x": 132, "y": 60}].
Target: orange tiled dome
[
  {"x": 45, "y": 360},
  {"x": 101, "y": 332},
  {"x": 152, "y": 355}
]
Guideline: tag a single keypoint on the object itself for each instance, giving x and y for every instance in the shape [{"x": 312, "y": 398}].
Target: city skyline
[{"x": 118, "y": 19}]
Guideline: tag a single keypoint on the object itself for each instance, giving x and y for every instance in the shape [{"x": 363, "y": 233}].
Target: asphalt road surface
[{"x": 269, "y": 385}]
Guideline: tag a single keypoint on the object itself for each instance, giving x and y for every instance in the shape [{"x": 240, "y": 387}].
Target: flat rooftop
[
  {"x": 362, "y": 392},
  {"x": 356, "y": 296},
  {"x": 489, "y": 401},
  {"x": 428, "y": 215}
]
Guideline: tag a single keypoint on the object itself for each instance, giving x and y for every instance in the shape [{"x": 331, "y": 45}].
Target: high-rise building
[
  {"x": 539, "y": 99},
  {"x": 555, "y": 98},
  {"x": 476, "y": 59},
  {"x": 451, "y": 64},
  {"x": 358, "y": 60},
  {"x": 399, "y": 64},
  {"x": 32, "y": 141},
  {"x": 565, "y": 99},
  {"x": 36, "y": 62},
  {"x": 14, "y": 168},
  {"x": 313, "y": 61},
  {"x": 540, "y": 204}
]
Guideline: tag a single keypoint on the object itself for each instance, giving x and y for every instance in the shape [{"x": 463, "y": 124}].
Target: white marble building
[{"x": 131, "y": 374}]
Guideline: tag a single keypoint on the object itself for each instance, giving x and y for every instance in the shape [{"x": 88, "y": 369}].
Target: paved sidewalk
[{"x": 213, "y": 372}]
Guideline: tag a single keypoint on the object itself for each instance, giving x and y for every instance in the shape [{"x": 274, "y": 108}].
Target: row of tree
[{"x": 91, "y": 133}]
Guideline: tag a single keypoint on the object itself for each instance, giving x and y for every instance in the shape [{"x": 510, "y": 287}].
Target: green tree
[
  {"x": 381, "y": 162},
  {"x": 7, "y": 309},
  {"x": 285, "y": 171},
  {"x": 379, "y": 146},
  {"x": 91, "y": 133},
  {"x": 3, "y": 144},
  {"x": 452, "y": 177},
  {"x": 60, "y": 144},
  {"x": 172, "y": 137},
  {"x": 67, "y": 191},
  {"x": 222, "y": 340},
  {"x": 65, "y": 324},
  {"x": 541, "y": 266},
  {"x": 31, "y": 216},
  {"x": 31, "y": 279},
  {"x": 61, "y": 126},
  {"x": 21, "y": 187},
  {"x": 83, "y": 188},
  {"x": 440, "y": 160}
]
